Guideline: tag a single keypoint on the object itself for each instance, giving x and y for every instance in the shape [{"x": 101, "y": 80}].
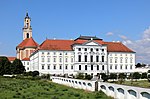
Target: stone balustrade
[{"x": 114, "y": 90}]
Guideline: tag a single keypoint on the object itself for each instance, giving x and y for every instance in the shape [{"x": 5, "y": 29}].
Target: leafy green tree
[
  {"x": 80, "y": 76},
  {"x": 113, "y": 76},
  {"x": 17, "y": 67},
  {"x": 144, "y": 76},
  {"x": 138, "y": 65},
  {"x": 136, "y": 75},
  {"x": 88, "y": 77},
  {"x": 7, "y": 67},
  {"x": 3, "y": 62},
  {"x": 104, "y": 77},
  {"x": 122, "y": 77},
  {"x": 35, "y": 73}
]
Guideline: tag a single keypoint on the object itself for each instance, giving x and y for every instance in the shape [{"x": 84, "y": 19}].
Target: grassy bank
[
  {"x": 40, "y": 89},
  {"x": 139, "y": 83}
]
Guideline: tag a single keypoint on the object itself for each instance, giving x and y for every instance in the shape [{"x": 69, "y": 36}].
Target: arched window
[{"x": 27, "y": 35}]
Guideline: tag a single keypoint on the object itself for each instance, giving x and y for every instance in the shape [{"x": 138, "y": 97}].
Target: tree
[
  {"x": 144, "y": 76},
  {"x": 35, "y": 73},
  {"x": 17, "y": 67},
  {"x": 80, "y": 76},
  {"x": 4, "y": 62},
  {"x": 113, "y": 76},
  {"x": 104, "y": 77},
  {"x": 88, "y": 77},
  {"x": 7, "y": 67},
  {"x": 121, "y": 77},
  {"x": 138, "y": 65},
  {"x": 136, "y": 75}
]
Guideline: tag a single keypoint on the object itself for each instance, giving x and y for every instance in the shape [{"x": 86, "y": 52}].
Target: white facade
[
  {"x": 53, "y": 62},
  {"x": 89, "y": 57},
  {"x": 119, "y": 62},
  {"x": 27, "y": 65}
]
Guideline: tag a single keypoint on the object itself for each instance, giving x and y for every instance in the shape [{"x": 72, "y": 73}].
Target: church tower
[
  {"x": 28, "y": 45},
  {"x": 27, "y": 29}
]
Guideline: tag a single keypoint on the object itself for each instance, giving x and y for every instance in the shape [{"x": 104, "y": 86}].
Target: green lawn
[
  {"x": 141, "y": 83},
  {"x": 40, "y": 89}
]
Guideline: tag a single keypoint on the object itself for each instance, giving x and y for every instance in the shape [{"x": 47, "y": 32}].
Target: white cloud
[
  {"x": 141, "y": 46},
  {"x": 109, "y": 33},
  {"x": 123, "y": 37}
]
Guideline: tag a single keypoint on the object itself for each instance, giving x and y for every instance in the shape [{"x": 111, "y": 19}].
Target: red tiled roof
[
  {"x": 56, "y": 45},
  {"x": 26, "y": 59},
  {"x": 11, "y": 58},
  {"x": 28, "y": 42},
  {"x": 67, "y": 45},
  {"x": 117, "y": 47}
]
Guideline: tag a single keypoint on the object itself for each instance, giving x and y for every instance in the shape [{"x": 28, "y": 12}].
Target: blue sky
[{"x": 112, "y": 20}]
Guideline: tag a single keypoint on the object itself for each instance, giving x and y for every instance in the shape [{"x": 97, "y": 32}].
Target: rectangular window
[
  {"x": 91, "y": 58},
  {"x": 110, "y": 66},
  {"x": 102, "y": 67},
  {"x": 48, "y": 59},
  {"x": 48, "y": 67},
  {"x": 102, "y": 50},
  {"x": 60, "y": 59},
  {"x": 66, "y": 67},
  {"x": 71, "y": 66},
  {"x": 54, "y": 59},
  {"x": 27, "y": 63},
  {"x": 42, "y": 59},
  {"x": 115, "y": 66},
  {"x": 79, "y": 67},
  {"x": 42, "y": 66},
  {"x": 97, "y": 49},
  {"x": 110, "y": 60},
  {"x": 97, "y": 58},
  {"x": 66, "y": 59},
  {"x": 130, "y": 66},
  {"x": 79, "y": 58},
  {"x": 79, "y": 49},
  {"x": 85, "y": 49},
  {"x": 121, "y": 60},
  {"x": 91, "y": 67},
  {"x": 102, "y": 58},
  {"x": 120, "y": 66},
  {"x": 126, "y": 67},
  {"x": 85, "y": 67},
  {"x": 60, "y": 66},
  {"x": 85, "y": 58},
  {"x": 54, "y": 66},
  {"x": 91, "y": 49},
  {"x": 115, "y": 60},
  {"x": 71, "y": 59},
  {"x": 126, "y": 60},
  {"x": 130, "y": 60},
  {"x": 97, "y": 67}
]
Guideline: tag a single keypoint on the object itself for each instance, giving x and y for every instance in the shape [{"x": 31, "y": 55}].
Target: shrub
[
  {"x": 104, "y": 77},
  {"x": 80, "y": 76},
  {"x": 136, "y": 75},
  {"x": 88, "y": 77},
  {"x": 144, "y": 76},
  {"x": 35, "y": 73},
  {"x": 113, "y": 76}
]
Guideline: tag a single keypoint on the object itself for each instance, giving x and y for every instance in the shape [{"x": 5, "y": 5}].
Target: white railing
[{"x": 114, "y": 90}]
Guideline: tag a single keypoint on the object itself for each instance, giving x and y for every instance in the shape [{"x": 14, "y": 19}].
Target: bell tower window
[{"x": 27, "y": 35}]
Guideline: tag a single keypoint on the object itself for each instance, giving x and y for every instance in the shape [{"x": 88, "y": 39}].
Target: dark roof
[
  {"x": 27, "y": 16},
  {"x": 88, "y": 38}
]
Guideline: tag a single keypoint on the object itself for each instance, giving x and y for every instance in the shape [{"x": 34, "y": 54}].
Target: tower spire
[{"x": 27, "y": 30}]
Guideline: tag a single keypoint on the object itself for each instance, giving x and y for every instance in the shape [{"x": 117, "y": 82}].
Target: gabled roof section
[
  {"x": 28, "y": 42},
  {"x": 117, "y": 47},
  {"x": 88, "y": 38},
  {"x": 91, "y": 42},
  {"x": 56, "y": 45},
  {"x": 11, "y": 58},
  {"x": 26, "y": 59}
]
